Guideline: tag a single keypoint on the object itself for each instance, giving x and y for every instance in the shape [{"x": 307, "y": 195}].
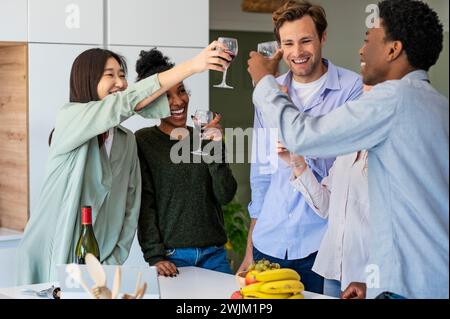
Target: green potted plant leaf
[{"x": 237, "y": 221}]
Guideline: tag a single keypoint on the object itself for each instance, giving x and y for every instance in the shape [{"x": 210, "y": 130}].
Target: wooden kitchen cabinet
[{"x": 13, "y": 135}]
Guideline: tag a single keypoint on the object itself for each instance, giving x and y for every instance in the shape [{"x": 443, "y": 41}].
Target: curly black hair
[
  {"x": 151, "y": 62},
  {"x": 417, "y": 26}
]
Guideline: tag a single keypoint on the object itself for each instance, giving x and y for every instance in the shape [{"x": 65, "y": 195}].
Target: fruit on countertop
[
  {"x": 265, "y": 280},
  {"x": 277, "y": 274},
  {"x": 263, "y": 265},
  {"x": 281, "y": 286},
  {"x": 250, "y": 277},
  {"x": 297, "y": 296},
  {"x": 236, "y": 295},
  {"x": 253, "y": 287},
  {"x": 263, "y": 295}
]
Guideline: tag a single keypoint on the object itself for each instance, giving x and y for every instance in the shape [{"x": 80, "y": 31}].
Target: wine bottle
[{"x": 87, "y": 242}]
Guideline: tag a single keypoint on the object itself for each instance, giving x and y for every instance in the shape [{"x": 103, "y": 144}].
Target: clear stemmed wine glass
[
  {"x": 268, "y": 49},
  {"x": 200, "y": 119},
  {"x": 232, "y": 49}
]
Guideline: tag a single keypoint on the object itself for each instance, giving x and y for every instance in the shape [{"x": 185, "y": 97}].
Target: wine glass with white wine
[
  {"x": 200, "y": 119},
  {"x": 232, "y": 49}
]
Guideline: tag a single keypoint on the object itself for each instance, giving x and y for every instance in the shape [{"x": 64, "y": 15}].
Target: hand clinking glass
[
  {"x": 268, "y": 49},
  {"x": 201, "y": 118}
]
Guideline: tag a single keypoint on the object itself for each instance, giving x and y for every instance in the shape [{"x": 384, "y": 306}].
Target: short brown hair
[{"x": 293, "y": 10}]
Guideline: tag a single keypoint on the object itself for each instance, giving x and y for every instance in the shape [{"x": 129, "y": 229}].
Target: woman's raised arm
[{"x": 209, "y": 59}]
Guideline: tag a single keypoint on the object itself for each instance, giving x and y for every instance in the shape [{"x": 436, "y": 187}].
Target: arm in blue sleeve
[
  {"x": 260, "y": 169},
  {"x": 356, "y": 125},
  {"x": 320, "y": 166}
]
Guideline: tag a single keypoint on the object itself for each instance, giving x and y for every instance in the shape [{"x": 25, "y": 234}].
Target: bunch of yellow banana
[{"x": 281, "y": 283}]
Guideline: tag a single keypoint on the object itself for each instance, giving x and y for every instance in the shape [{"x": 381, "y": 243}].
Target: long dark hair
[{"x": 87, "y": 70}]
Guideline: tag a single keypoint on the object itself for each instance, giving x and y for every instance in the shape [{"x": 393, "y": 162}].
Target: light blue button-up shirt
[
  {"x": 404, "y": 124},
  {"x": 285, "y": 222}
]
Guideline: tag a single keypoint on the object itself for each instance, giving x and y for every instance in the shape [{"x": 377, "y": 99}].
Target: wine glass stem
[
  {"x": 224, "y": 77},
  {"x": 199, "y": 148}
]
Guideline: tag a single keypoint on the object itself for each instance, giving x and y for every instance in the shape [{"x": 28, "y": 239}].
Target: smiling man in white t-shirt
[{"x": 284, "y": 229}]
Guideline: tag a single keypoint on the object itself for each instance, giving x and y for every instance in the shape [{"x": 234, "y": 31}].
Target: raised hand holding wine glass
[
  {"x": 268, "y": 49},
  {"x": 232, "y": 50}
]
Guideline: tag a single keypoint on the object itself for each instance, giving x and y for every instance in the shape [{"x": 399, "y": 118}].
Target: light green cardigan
[{"x": 79, "y": 173}]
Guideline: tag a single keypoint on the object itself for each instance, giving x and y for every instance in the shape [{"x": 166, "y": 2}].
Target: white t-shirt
[
  {"x": 109, "y": 141},
  {"x": 305, "y": 91}
]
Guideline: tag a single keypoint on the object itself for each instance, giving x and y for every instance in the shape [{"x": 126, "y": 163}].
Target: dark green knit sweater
[{"x": 181, "y": 203}]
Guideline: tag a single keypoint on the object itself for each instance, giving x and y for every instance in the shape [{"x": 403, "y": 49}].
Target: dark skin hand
[
  {"x": 260, "y": 66},
  {"x": 166, "y": 268},
  {"x": 356, "y": 290},
  {"x": 213, "y": 130}
]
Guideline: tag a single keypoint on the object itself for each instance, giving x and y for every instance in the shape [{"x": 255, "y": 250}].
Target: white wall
[
  {"x": 13, "y": 13},
  {"x": 177, "y": 23}
]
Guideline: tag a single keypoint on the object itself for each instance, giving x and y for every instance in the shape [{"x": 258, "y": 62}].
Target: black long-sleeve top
[{"x": 181, "y": 202}]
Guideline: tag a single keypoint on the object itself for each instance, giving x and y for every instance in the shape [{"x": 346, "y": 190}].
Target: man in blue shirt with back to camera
[
  {"x": 403, "y": 122},
  {"x": 284, "y": 229}
]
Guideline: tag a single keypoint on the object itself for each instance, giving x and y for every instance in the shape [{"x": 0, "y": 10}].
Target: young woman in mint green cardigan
[{"x": 93, "y": 161}]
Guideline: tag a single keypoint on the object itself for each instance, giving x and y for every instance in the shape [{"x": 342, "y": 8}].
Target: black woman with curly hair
[{"x": 181, "y": 220}]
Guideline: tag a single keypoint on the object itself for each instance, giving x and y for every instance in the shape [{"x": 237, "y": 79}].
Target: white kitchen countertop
[
  {"x": 7, "y": 234},
  {"x": 191, "y": 283}
]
